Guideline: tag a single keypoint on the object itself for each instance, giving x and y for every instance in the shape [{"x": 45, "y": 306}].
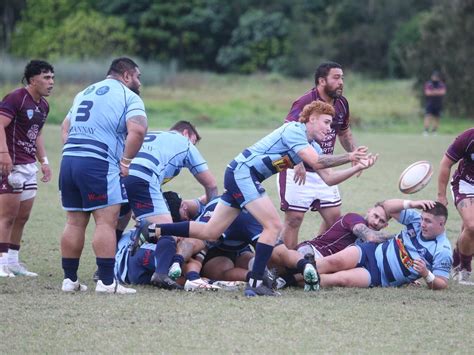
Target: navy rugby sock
[
  {"x": 180, "y": 229},
  {"x": 192, "y": 275},
  {"x": 70, "y": 266},
  {"x": 263, "y": 252},
  {"x": 301, "y": 264},
  {"x": 178, "y": 258},
  {"x": 164, "y": 253},
  {"x": 106, "y": 270}
]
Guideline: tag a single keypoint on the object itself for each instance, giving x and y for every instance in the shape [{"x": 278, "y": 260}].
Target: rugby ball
[{"x": 415, "y": 177}]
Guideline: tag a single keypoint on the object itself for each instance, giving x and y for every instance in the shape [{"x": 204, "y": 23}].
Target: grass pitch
[{"x": 36, "y": 317}]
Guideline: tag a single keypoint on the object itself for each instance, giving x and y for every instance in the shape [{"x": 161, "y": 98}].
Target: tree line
[{"x": 382, "y": 38}]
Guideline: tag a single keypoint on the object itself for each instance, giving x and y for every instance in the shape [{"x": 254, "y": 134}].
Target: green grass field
[
  {"x": 262, "y": 101},
  {"x": 36, "y": 317}
]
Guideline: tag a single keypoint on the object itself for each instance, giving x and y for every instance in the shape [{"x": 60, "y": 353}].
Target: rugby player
[
  {"x": 421, "y": 249},
  {"x": 301, "y": 188},
  {"x": 288, "y": 145},
  {"x": 102, "y": 133},
  {"x": 160, "y": 159},
  {"x": 23, "y": 113},
  {"x": 462, "y": 185}
]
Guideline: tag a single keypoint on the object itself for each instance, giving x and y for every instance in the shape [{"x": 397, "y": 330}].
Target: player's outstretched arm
[
  {"x": 334, "y": 177},
  {"x": 443, "y": 178},
  {"x": 395, "y": 206},
  {"x": 323, "y": 161},
  {"x": 41, "y": 156},
  {"x": 369, "y": 235}
]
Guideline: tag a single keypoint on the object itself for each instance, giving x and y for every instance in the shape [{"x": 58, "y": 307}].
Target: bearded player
[{"x": 301, "y": 188}]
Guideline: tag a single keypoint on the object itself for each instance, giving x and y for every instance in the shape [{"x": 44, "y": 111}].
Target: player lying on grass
[
  {"x": 349, "y": 229},
  {"x": 288, "y": 145},
  {"x": 421, "y": 249}
]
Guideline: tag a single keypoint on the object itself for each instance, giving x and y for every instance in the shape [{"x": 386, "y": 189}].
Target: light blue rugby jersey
[
  {"x": 98, "y": 120},
  {"x": 164, "y": 154},
  {"x": 275, "y": 152},
  {"x": 395, "y": 256}
]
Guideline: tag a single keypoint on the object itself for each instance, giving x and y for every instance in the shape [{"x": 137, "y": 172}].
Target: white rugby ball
[{"x": 415, "y": 177}]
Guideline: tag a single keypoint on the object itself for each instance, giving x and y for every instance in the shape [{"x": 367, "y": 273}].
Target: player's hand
[
  {"x": 359, "y": 154},
  {"x": 443, "y": 200},
  {"x": 368, "y": 162},
  {"x": 47, "y": 173},
  {"x": 300, "y": 174},
  {"x": 123, "y": 170},
  {"x": 6, "y": 164},
  {"x": 420, "y": 267},
  {"x": 423, "y": 204}
]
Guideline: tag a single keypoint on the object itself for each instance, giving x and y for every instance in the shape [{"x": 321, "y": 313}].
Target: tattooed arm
[
  {"x": 347, "y": 140},
  {"x": 369, "y": 235},
  {"x": 324, "y": 161}
]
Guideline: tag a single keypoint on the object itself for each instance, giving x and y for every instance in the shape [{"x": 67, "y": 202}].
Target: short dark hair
[
  {"x": 173, "y": 201},
  {"x": 181, "y": 126},
  {"x": 36, "y": 67},
  {"x": 323, "y": 70},
  {"x": 438, "y": 210},
  {"x": 121, "y": 65}
]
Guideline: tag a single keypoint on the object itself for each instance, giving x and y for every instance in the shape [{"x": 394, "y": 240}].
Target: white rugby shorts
[{"x": 315, "y": 194}]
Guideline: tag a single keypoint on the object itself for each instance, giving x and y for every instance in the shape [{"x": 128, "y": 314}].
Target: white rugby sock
[{"x": 13, "y": 256}]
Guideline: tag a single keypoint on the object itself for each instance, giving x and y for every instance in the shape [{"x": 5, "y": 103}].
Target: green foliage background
[{"x": 379, "y": 38}]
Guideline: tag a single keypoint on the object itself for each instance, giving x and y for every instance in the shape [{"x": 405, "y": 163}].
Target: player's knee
[
  {"x": 469, "y": 227},
  {"x": 294, "y": 220}
]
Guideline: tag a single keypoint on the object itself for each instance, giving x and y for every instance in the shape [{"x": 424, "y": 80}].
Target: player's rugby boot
[
  {"x": 115, "y": 287},
  {"x": 311, "y": 278},
  {"x": 21, "y": 270},
  {"x": 261, "y": 290},
  {"x": 164, "y": 281},
  {"x": 269, "y": 278},
  {"x": 142, "y": 235},
  {"x": 175, "y": 271},
  {"x": 73, "y": 286},
  {"x": 464, "y": 277},
  {"x": 199, "y": 285}
]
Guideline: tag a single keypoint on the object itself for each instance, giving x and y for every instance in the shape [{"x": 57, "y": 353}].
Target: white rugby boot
[{"x": 73, "y": 286}]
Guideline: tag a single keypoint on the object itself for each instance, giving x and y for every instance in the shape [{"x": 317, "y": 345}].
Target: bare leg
[
  {"x": 330, "y": 216},
  {"x": 358, "y": 277},
  {"x": 346, "y": 259},
  {"x": 291, "y": 228},
  {"x": 20, "y": 221},
  {"x": 466, "y": 240},
  {"x": 72, "y": 239}
]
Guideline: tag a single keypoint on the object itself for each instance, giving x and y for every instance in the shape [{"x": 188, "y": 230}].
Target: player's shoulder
[
  {"x": 351, "y": 219},
  {"x": 17, "y": 95}
]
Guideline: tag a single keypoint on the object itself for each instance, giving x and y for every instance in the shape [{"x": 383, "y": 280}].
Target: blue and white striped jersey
[
  {"x": 164, "y": 154},
  {"x": 98, "y": 120},
  {"x": 275, "y": 152},
  {"x": 395, "y": 257}
]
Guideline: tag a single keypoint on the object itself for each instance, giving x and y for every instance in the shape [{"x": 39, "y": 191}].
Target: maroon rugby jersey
[
  {"x": 338, "y": 237},
  {"x": 27, "y": 119},
  {"x": 462, "y": 150},
  {"x": 340, "y": 121}
]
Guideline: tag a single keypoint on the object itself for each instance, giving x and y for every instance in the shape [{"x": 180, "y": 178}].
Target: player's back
[
  {"x": 98, "y": 120},
  {"x": 275, "y": 152},
  {"x": 165, "y": 153}
]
